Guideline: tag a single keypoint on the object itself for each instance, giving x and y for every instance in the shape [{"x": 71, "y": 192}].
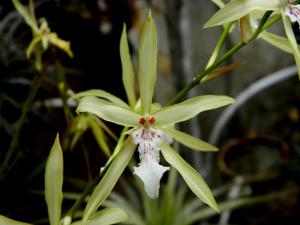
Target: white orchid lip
[
  {"x": 149, "y": 140},
  {"x": 293, "y": 12}
]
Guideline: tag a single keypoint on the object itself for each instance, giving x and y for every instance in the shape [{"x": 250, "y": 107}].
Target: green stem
[
  {"x": 19, "y": 124},
  {"x": 220, "y": 44},
  {"x": 224, "y": 57},
  {"x": 261, "y": 24}
]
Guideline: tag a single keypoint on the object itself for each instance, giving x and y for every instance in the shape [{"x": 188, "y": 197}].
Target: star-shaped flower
[{"x": 152, "y": 125}]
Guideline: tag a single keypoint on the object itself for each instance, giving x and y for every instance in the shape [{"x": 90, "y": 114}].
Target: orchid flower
[
  {"x": 41, "y": 31},
  {"x": 152, "y": 126},
  {"x": 288, "y": 9}
]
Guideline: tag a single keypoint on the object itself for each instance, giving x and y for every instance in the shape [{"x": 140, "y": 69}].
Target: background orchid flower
[
  {"x": 41, "y": 31},
  {"x": 151, "y": 126},
  {"x": 237, "y": 9}
]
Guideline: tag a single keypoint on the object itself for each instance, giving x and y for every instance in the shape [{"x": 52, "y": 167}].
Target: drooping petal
[
  {"x": 190, "y": 175},
  {"x": 277, "y": 41},
  {"x": 127, "y": 68},
  {"x": 189, "y": 108},
  {"x": 109, "y": 180},
  {"x": 189, "y": 141},
  {"x": 236, "y": 9},
  {"x": 101, "y": 94},
  {"x": 291, "y": 37},
  {"x": 147, "y": 64},
  {"x": 60, "y": 43},
  {"x": 150, "y": 172},
  {"x": 108, "y": 111}
]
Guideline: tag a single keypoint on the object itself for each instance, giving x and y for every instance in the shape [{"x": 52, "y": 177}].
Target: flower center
[
  {"x": 149, "y": 140},
  {"x": 147, "y": 120}
]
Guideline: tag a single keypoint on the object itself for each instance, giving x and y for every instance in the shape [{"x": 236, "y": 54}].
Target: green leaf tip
[{"x": 54, "y": 182}]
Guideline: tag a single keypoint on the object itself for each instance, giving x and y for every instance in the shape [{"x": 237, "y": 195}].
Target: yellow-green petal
[
  {"x": 60, "y": 43},
  {"x": 192, "y": 178},
  {"x": 101, "y": 94},
  {"x": 127, "y": 69},
  {"x": 106, "y": 217},
  {"x": 277, "y": 41},
  {"x": 109, "y": 180},
  {"x": 25, "y": 13},
  {"x": 54, "y": 182},
  {"x": 109, "y": 112},
  {"x": 236, "y": 9},
  {"x": 7, "y": 221},
  {"x": 291, "y": 37},
  {"x": 190, "y": 108},
  {"x": 188, "y": 140},
  {"x": 147, "y": 64},
  {"x": 32, "y": 44}
]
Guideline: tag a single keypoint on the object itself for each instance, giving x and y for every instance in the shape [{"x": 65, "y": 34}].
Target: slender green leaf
[
  {"x": 109, "y": 180},
  {"x": 106, "y": 217},
  {"x": 190, "y": 175},
  {"x": 127, "y": 69},
  {"x": 101, "y": 94},
  {"x": 291, "y": 37},
  {"x": 24, "y": 12},
  {"x": 147, "y": 64},
  {"x": 188, "y": 140},
  {"x": 236, "y": 9},
  {"x": 190, "y": 108},
  {"x": 54, "y": 182},
  {"x": 117, "y": 200},
  {"x": 108, "y": 111},
  {"x": 62, "y": 44},
  {"x": 7, "y": 221}
]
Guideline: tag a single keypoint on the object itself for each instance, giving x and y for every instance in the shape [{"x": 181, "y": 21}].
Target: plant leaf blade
[
  {"x": 106, "y": 217},
  {"x": 7, "y": 221},
  {"x": 54, "y": 182}
]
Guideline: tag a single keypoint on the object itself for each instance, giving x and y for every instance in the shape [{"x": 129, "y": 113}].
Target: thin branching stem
[
  {"x": 262, "y": 26},
  {"x": 19, "y": 124}
]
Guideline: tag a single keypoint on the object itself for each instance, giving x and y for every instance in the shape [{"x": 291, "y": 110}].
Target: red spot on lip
[
  {"x": 142, "y": 121},
  {"x": 151, "y": 120}
]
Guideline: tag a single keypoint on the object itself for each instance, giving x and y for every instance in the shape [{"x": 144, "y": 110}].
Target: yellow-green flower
[
  {"x": 41, "y": 31},
  {"x": 288, "y": 9},
  {"x": 152, "y": 125}
]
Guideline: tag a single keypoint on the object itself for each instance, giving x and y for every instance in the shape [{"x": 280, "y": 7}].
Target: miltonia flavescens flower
[
  {"x": 152, "y": 125},
  {"x": 288, "y": 9}
]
